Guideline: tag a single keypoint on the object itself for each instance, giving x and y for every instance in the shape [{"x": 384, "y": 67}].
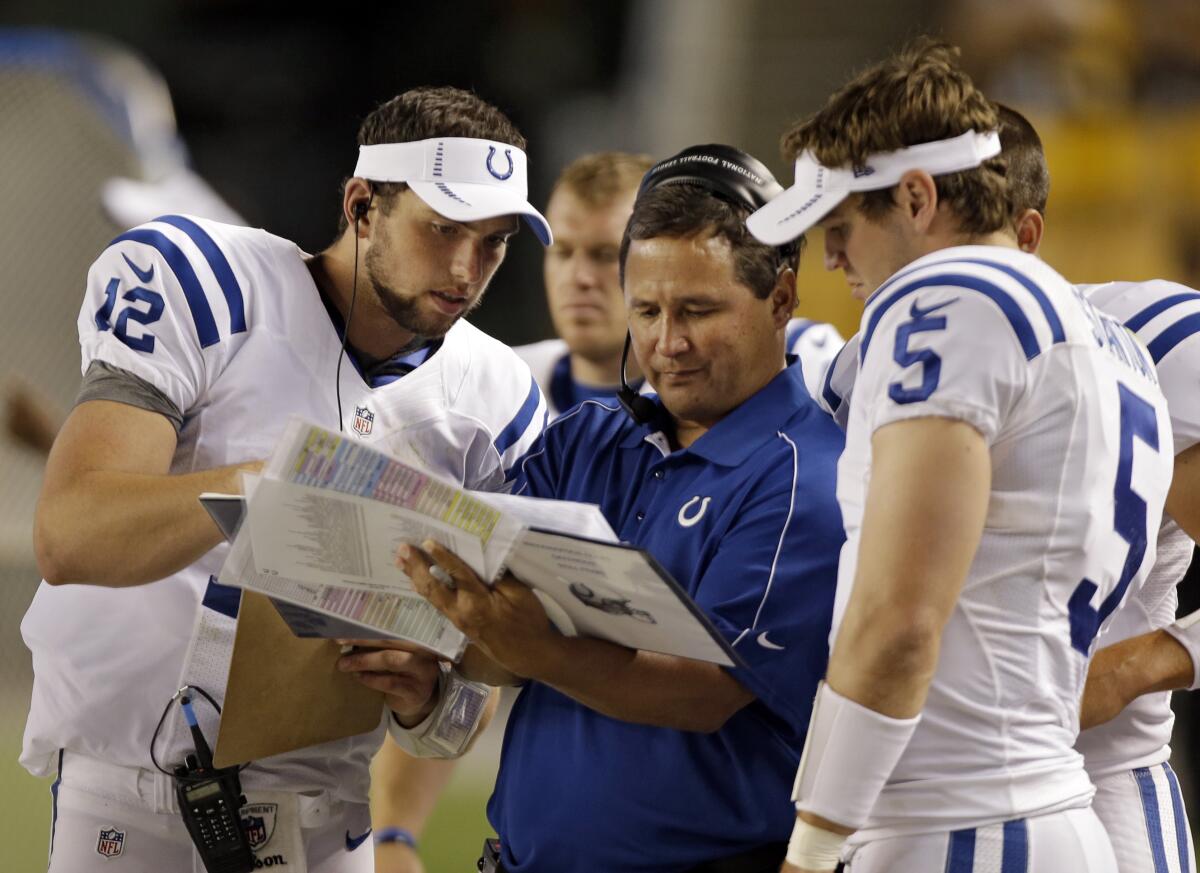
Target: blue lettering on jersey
[
  {"x": 1116, "y": 338},
  {"x": 1138, "y": 420}
]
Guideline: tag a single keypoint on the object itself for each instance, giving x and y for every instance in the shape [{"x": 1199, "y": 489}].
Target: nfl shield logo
[
  {"x": 364, "y": 420},
  {"x": 111, "y": 843},
  {"x": 258, "y": 821}
]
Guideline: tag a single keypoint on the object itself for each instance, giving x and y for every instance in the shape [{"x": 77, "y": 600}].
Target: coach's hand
[
  {"x": 506, "y": 621},
  {"x": 405, "y": 673}
]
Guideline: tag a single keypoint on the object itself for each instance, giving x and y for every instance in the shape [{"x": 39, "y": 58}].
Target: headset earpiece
[{"x": 360, "y": 209}]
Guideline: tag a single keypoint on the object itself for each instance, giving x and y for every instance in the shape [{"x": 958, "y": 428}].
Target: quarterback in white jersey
[
  {"x": 972, "y": 585},
  {"x": 1138, "y": 798},
  {"x": 208, "y": 337}
]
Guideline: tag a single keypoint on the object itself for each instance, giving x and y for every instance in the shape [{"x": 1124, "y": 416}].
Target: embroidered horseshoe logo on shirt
[{"x": 686, "y": 520}]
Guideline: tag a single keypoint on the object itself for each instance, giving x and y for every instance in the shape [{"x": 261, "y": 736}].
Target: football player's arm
[
  {"x": 508, "y": 623},
  {"x": 404, "y": 792},
  {"x": 922, "y": 522},
  {"x": 110, "y": 513},
  {"x": 1154, "y": 661}
]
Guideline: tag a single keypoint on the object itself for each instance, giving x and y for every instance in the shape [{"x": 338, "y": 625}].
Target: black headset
[{"x": 727, "y": 173}]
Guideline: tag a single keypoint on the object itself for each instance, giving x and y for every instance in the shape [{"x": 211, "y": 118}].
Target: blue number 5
[
  {"x": 1138, "y": 419},
  {"x": 931, "y": 364}
]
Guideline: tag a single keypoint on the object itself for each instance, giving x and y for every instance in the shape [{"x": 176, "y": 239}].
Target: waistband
[{"x": 155, "y": 792}]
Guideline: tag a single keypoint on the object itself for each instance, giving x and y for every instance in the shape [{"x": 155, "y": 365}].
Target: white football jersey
[
  {"x": 1080, "y": 445},
  {"x": 814, "y": 342},
  {"x": 1166, "y": 318},
  {"x": 228, "y": 323}
]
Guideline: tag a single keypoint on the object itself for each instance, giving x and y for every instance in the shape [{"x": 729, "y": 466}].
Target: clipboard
[{"x": 285, "y": 693}]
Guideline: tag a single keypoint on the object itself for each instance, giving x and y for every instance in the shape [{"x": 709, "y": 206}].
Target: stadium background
[{"x": 268, "y": 103}]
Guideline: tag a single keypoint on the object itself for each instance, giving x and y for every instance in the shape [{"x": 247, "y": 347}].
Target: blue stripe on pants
[
  {"x": 961, "y": 857},
  {"x": 1158, "y": 851},
  {"x": 1015, "y": 856},
  {"x": 1181, "y": 829}
]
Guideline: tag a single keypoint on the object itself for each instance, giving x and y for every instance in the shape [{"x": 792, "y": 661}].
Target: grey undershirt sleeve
[{"x": 103, "y": 381}]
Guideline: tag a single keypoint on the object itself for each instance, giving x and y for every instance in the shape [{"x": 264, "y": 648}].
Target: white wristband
[
  {"x": 848, "y": 756},
  {"x": 814, "y": 848},
  {"x": 447, "y": 732},
  {"x": 1186, "y": 632}
]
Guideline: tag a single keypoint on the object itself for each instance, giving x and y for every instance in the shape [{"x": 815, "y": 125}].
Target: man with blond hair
[{"x": 1008, "y": 450}]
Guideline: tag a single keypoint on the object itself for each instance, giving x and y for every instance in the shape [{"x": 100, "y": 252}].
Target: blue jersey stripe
[
  {"x": 1015, "y": 853},
  {"x": 224, "y": 599},
  {"x": 1158, "y": 851},
  {"x": 961, "y": 856},
  {"x": 520, "y": 423},
  {"x": 1011, "y": 309},
  {"x": 1056, "y": 327},
  {"x": 54, "y": 802},
  {"x": 220, "y": 267},
  {"x": 1173, "y": 336},
  {"x": 202, "y": 317},
  {"x": 1181, "y": 828},
  {"x": 832, "y": 398},
  {"x": 797, "y": 330},
  {"x": 1141, "y": 319}
]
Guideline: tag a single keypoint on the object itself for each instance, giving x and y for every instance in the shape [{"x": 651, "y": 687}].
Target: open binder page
[{"x": 617, "y": 593}]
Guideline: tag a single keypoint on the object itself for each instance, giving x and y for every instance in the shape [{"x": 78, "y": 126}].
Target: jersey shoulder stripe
[
  {"x": 1009, "y": 306},
  {"x": 832, "y": 399},
  {"x": 1056, "y": 326},
  {"x": 1162, "y": 344},
  {"x": 796, "y": 328},
  {"x": 520, "y": 422},
  {"x": 193, "y": 292},
  {"x": 219, "y": 264},
  {"x": 1139, "y": 320}
]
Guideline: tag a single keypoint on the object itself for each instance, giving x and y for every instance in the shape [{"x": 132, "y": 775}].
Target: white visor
[
  {"x": 462, "y": 179},
  {"x": 818, "y": 189}
]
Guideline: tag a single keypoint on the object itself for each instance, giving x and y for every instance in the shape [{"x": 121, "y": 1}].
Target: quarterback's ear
[{"x": 356, "y": 205}]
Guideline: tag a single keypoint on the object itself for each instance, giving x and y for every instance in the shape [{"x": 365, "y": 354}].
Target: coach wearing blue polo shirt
[{"x": 624, "y": 760}]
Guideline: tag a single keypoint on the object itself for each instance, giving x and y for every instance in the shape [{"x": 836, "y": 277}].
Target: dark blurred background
[{"x": 267, "y": 99}]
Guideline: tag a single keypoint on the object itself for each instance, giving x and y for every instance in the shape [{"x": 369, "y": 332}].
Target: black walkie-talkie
[{"x": 210, "y": 801}]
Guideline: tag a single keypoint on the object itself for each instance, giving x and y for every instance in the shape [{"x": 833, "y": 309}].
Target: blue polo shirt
[{"x": 746, "y": 519}]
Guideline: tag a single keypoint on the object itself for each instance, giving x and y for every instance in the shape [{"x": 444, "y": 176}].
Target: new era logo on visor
[{"x": 864, "y": 170}]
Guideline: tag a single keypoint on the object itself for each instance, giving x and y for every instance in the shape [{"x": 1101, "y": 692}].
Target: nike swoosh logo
[
  {"x": 821, "y": 343},
  {"x": 767, "y": 644},
  {"x": 353, "y": 843},
  {"x": 918, "y": 313},
  {"x": 143, "y": 275}
]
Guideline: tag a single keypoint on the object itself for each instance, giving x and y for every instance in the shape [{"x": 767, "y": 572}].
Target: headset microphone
[{"x": 640, "y": 408}]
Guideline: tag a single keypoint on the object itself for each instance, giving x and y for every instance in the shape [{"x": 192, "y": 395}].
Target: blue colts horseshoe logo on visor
[{"x": 492, "y": 170}]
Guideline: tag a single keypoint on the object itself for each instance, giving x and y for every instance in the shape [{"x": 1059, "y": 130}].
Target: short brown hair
[
  {"x": 598, "y": 179},
  {"x": 425, "y": 113},
  {"x": 920, "y": 94},
  {"x": 683, "y": 210},
  {"x": 1028, "y": 175}
]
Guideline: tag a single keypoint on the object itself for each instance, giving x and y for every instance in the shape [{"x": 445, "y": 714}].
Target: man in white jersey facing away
[
  {"x": 588, "y": 208},
  {"x": 1001, "y": 472},
  {"x": 198, "y": 341},
  {"x": 1138, "y": 798},
  {"x": 1137, "y": 794}
]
